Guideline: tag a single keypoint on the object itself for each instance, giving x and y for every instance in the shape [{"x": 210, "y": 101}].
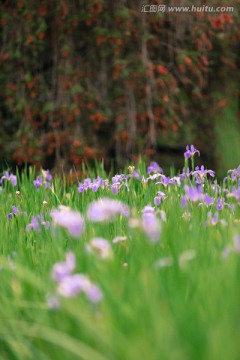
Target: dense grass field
[{"x": 132, "y": 266}]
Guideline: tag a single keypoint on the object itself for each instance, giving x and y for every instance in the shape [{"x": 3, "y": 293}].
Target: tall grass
[{"x": 187, "y": 310}]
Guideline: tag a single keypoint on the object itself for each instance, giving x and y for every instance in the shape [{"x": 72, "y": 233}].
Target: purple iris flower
[
  {"x": 176, "y": 180},
  {"x": 151, "y": 224},
  {"x": 212, "y": 220},
  {"x": 10, "y": 177},
  {"x": 43, "y": 222},
  {"x": 47, "y": 184},
  {"x": 220, "y": 204},
  {"x": 190, "y": 151},
  {"x": 136, "y": 174},
  {"x": 118, "y": 178},
  {"x": 148, "y": 209},
  {"x": 165, "y": 181},
  {"x": 13, "y": 179},
  {"x": 95, "y": 186},
  {"x": 236, "y": 193},
  {"x": 154, "y": 167},
  {"x": 184, "y": 201},
  {"x": 70, "y": 285},
  {"x": 215, "y": 219},
  {"x": 208, "y": 200},
  {"x": 157, "y": 200},
  {"x": 101, "y": 247},
  {"x": 217, "y": 188},
  {"x": 235, "y": 173},
  {"x": 162, "y": 195},
  {"x": 38, "y": 182},
  {"x": 201, "y": 173},
  {"x": 182, "y": 176},
  {"x": 36, "y": 223},
  {"x": 101, "y": 182},
  {"x": 15, "y": 211},
  {"x": 154, "y": 177},
  {"x": 94, "y": 293},
  {"x": 69, "y": 219},
  {"x": 193, "y": 193},
  {"x": 47, "y": 176},
  {"x": 62, "y": 269},
  {"x": 186, "y": 173},
  {"x": 87, "y": 182},
  {"x": 81, "y": 188},
  {"x": 115, "y": 188},
  {"x": 44, "y": 179},
  {"x": 105, "y": 209}
]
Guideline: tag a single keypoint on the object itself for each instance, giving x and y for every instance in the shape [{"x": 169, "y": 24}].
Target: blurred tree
[{"x": 92, "y": 79}]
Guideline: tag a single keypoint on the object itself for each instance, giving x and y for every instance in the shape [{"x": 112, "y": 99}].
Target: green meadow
[{"x": 167, "y": 286}]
